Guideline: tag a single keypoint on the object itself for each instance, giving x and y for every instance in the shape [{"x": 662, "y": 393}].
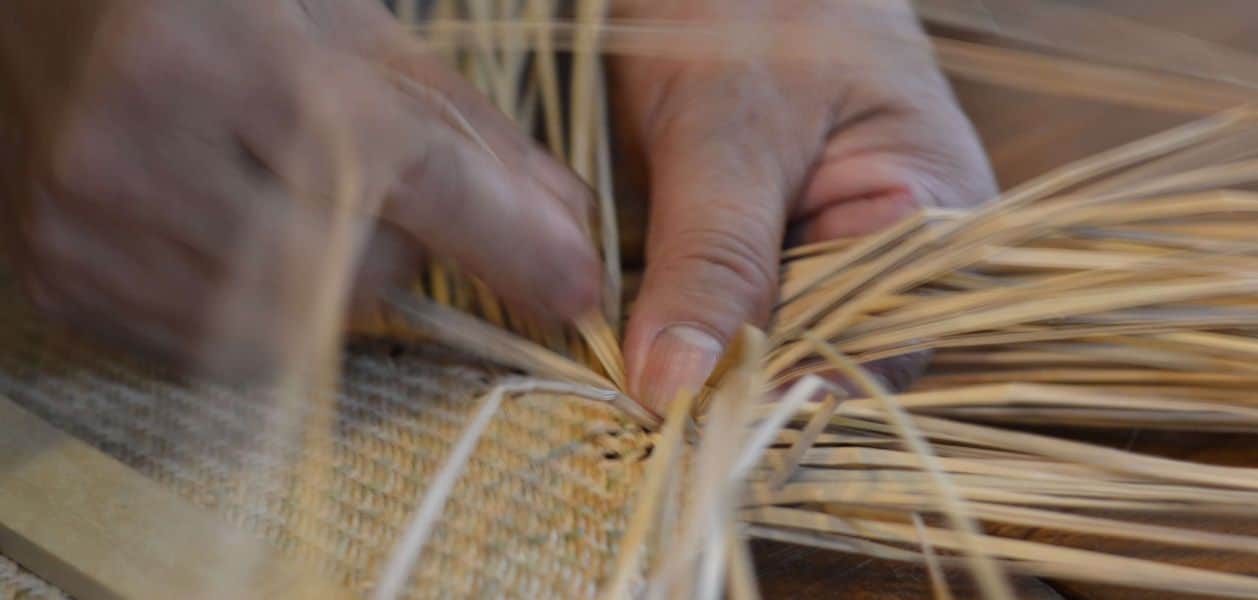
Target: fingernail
[{"x": 681, "y": 358}]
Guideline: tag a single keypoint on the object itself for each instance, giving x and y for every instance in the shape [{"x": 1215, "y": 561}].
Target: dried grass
[{"x": 1118, "y": 292}]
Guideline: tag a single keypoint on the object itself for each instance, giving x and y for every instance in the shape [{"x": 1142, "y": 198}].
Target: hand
[
  {"x": 177, "y": 167},
  {"x": 740, "y": 151}
]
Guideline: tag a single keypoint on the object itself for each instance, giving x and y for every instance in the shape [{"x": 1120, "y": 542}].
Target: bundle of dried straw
[{"x": 1117, "y": 292}]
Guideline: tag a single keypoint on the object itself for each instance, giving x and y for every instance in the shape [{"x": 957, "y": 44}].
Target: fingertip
[
  {"x": 576, "y": 290},
  {"x": 552, "y": 271},
  {"x": 561, "y": 182},
  {"x": 679, "y": 359}
]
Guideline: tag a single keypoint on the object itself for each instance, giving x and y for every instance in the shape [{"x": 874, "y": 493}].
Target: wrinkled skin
[
  {"x": 169, "y": 178},
  {"x": 741, "y": 152},
  {"x": 176, "y": 197}
]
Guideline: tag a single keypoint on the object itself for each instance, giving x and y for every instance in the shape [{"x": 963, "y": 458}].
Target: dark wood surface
[
  {"x": 1028, "y": 134},
  {"x": 794, "y": 572},
  {"x": 791, "y": 572}
]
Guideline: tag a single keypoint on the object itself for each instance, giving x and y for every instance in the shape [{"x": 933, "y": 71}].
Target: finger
[
  {"x": 717, "y": 216},
  {"x": 881, "y": 169},
  {"x": 854, "y": 217},
  {"x": 444, "y": 93},
  {"x": 391, "y": 261},
  {"x": 899, "y": 373},
  {"x": 117, "y": 284},
  {"x": 118, "y": 254},
  {"x": 78, "y": 306},
  {"x": 441, "y": 185},
  {"x": 504, "y": 228}
]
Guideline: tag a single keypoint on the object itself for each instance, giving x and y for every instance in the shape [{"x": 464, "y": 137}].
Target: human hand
[
  {"x": 176, "y": 166},
  {"x": 739, "y": 152}
]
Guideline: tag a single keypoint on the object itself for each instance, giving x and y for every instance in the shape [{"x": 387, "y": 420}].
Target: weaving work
[
  {"x": 1113, "y": 294},
  {"x": 18, "y": 584},
  {"x": 537, "y": 514}
]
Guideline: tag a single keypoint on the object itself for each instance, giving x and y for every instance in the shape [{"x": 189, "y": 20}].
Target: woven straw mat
[
  {"x": 537, "y": 513},
  {"x": 18, "y": 584}
]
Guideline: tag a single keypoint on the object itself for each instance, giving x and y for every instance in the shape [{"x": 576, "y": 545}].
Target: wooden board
[
  {"x": 801, "y": 573},
  {"x": 97, "y": 529}
]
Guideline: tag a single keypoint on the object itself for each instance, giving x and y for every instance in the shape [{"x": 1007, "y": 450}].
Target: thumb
[{"x": 716, "y": 226}]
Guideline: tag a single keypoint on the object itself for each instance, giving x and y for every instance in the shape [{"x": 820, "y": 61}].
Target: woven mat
[
  {"x": 537, "y": 513},
  {"x": 18, "y": 584}
]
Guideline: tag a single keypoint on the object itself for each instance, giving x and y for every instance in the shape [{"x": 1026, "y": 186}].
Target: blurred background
[{"x": 1029, "y": 133}]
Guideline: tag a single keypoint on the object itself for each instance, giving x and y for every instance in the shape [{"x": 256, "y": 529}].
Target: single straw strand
[
  {"x": 650, "y": 495},
  {"x": 398, "y": 570},
  {"x": 938, "y": 584},
  {"x": 991, "y": 580}
]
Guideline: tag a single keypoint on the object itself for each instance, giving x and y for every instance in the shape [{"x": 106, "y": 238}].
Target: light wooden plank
[{"x": 98, "y": 529}]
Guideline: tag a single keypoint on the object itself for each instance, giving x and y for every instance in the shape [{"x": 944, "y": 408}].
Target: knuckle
[
  {"x": 659, "y": 117},
  {"x": 723, "y": 261}
]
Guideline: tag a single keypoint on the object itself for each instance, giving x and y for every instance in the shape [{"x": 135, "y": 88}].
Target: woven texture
[
  {"x": 537, "y": 513},
  {"x": 18, "y": 584}
]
